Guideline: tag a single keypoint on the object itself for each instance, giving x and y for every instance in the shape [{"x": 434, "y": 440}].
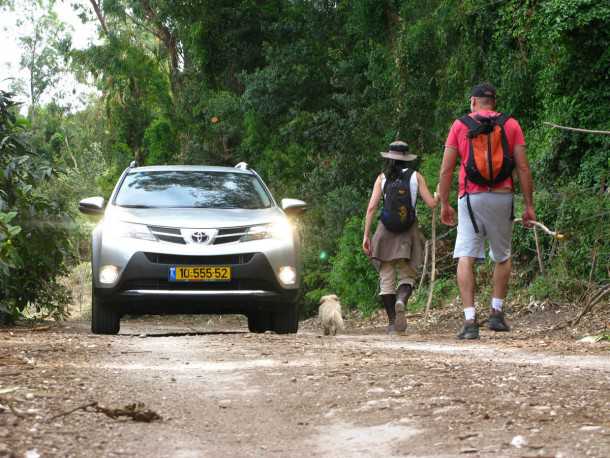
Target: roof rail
[
  {"x": 133, "y": 164},
  {"x": 242, "y": 166}
]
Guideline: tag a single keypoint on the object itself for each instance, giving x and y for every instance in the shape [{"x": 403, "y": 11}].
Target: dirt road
[{"x": 222, "y": 391}]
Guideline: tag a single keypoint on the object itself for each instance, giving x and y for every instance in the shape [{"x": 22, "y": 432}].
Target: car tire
[
  {"x": 104, "y": 319},
  {"x": 259, "y": 321},
  {"x": 285, "y": 319}
]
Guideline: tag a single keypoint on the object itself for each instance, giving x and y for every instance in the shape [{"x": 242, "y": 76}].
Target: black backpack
[{"x": 398, "y": 213}]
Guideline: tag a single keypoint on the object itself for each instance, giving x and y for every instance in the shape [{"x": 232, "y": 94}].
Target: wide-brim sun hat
[{"x": 399, "y": 151}]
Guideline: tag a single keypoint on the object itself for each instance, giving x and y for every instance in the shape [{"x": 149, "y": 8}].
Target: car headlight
[
  {"x": 109, "y": 274},
  {"x": 128, "y": 230},
  {"x": 281, "y": 229}
]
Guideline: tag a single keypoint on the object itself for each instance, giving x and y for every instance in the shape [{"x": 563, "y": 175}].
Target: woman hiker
[{"x": 398, "y": 245}]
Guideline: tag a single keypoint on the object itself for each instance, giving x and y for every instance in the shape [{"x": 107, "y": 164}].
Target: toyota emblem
[{"x": 199, "y": 237}]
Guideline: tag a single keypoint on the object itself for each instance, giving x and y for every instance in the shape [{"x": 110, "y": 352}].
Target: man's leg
[
  {"x": 500, "y": 279},
  {"x": 466, "y": 283},
  {"x": 465, "y": 279},
  {"x": 500, "y": 231},
  {"x": 469, "y": 246}
]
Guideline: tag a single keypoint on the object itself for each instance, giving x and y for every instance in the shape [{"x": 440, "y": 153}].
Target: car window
[{"x": 192, "y": 189}]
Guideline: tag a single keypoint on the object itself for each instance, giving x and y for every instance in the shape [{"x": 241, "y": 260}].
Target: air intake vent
[{"x": 174, "y": 259}]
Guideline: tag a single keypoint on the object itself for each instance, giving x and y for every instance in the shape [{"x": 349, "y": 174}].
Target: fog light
[
  {"x": 109, "y": 274},
  {"x": 287, "y": 275}
]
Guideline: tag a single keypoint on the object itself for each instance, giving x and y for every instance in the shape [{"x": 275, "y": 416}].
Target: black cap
[{"x": 484, "y": 90}]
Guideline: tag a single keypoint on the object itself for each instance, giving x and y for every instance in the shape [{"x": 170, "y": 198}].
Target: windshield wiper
[{"x": 137, "y": 206}]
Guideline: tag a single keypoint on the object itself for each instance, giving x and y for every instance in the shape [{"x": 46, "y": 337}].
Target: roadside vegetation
[{"x": 308, "y": 93}]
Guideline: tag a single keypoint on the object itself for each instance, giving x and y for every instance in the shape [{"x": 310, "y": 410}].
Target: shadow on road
[{"x": 183, "y": 334}]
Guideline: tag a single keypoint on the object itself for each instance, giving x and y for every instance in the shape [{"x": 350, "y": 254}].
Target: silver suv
[{"x": 194, "y": 239}]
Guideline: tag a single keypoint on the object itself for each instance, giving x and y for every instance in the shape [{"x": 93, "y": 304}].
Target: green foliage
[
  {"x": 34, "y": 236},
  {"x": 160, "y": 142},
  {"x": 352, "y": 277}
]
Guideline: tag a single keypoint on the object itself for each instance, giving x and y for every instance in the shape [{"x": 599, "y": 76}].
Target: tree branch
[
  {"x": 576, "y": 129},
  {"x": 100, "y": 16}
]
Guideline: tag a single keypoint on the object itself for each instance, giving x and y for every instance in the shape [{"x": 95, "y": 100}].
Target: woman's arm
[
  {"x": 424, "y": 192},
  {"x": 370, "y": 213}
]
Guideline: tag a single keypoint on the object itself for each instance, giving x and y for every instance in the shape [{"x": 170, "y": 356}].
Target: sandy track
[{"x": 225, "y": 392}]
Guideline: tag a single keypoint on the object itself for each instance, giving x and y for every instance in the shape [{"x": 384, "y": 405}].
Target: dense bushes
[{"x": 34, "y": 224}]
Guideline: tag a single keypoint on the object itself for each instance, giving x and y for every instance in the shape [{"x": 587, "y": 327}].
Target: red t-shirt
[{"x": 457, "y": 139}]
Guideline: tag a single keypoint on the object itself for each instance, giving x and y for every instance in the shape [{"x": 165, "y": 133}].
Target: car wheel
[
  {"x": 104, "y": 319},
  {"x": 259, "y": 321},
  {"x": 285, "y": 318}
]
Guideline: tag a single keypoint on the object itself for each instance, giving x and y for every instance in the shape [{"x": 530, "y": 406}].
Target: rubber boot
[
  {"x": 402, "y": 297},
  {"x": 388, "y": 303}
]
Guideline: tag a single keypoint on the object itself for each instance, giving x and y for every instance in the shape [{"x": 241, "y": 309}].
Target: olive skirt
[{"x": 390, "y": 246}]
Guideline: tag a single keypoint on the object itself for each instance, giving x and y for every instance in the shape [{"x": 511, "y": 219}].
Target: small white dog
[{"x": 330, "y": 314}]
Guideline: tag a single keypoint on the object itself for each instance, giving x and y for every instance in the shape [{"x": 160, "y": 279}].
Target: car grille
[
  {"x": 228, "y": 235},
  {"x": 167, "y": 234},
  {"x": 173, "y": 234},
  {"x": 197, "y": 286},
  {"x": 176, "y": 259}
]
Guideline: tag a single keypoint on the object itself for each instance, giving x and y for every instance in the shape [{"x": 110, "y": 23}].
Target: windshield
[{"x": 192, "y": 189}]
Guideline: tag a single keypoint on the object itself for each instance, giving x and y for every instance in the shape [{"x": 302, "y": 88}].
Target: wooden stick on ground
[
  {"x": 71, "y": 411},
  {"x": 433, "y": 266},
  {"x": 595, "y": 299}
]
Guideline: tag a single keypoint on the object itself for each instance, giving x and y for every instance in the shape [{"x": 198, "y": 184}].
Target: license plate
[{"x": 199, "y": 273}]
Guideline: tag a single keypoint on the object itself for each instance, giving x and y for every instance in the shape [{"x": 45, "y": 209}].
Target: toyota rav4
[{"x": 195, "y": 239}]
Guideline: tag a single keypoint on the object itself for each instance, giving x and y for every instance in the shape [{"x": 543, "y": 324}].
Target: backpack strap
[
  {"x": 471, "y": 214},
  {"x": 469, "y": 122},
  {"x": 502, "y": 118},
  {"x": 406, "y": 176}
]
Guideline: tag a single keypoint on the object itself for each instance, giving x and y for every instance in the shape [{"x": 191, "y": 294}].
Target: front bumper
[{"x": 144, "y": 286}]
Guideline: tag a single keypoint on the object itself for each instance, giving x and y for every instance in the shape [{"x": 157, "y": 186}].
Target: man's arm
[
  {"x": 526, "y": 182},
  {"x": 444, "y": 185}
]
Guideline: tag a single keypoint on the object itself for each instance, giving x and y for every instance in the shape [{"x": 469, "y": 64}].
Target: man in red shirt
[{"x": 490, "y": 214}]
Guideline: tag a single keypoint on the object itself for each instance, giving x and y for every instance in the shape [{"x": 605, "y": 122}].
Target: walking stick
[
  {"x": 556, "y": 235},
  {"x": 433, "y": 266},
  {"x": 536, "y": 224}
]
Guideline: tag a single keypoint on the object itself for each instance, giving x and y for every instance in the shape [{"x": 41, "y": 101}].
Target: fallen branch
[
  {"x": 11, "y": 408},
  {"x": 576, "y": 129},
  {"x": 136, "y": 411},
  {"x": 592, "y": 302}
]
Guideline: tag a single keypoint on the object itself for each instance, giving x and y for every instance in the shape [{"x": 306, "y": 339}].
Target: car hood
[{"x": 195, "y": 218}]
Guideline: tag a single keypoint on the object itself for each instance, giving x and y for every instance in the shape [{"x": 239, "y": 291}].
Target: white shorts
[{"x": 492, "y": 213}]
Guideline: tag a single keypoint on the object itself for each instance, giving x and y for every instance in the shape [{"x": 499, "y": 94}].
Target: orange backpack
[{"x": 489, "y": 160}]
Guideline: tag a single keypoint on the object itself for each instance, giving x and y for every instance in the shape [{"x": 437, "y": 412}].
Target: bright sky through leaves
[{"x": 74, "y": 93}]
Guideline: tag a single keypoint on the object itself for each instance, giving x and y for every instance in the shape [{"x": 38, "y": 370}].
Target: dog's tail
[{"x": 338, "y": 319}]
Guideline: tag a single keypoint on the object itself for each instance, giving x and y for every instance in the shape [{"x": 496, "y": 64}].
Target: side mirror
[
  {"x": 92, "y": 206},
  {"x": 293, "y": 206}
]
